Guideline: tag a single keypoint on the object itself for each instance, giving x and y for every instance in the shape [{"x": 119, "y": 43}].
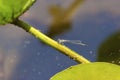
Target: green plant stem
[{"x": 75, "y": 56}]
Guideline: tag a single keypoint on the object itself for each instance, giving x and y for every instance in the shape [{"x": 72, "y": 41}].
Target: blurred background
[{"x": 94, "y": 22}]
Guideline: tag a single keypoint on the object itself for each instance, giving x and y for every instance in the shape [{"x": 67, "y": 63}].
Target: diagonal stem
[{"x": 65, "y": 50}]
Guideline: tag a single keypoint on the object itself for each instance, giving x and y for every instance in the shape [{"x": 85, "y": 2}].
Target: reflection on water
[
  {"x": 62, "y": 18},
  {"x": 58, "y": 28},
  {"x": 109, "y": 50}
]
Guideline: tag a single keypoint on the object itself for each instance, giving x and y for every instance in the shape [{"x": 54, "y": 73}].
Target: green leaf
[
  {"x": 90, "y": 71},
  {"x": 12, "y": 9}
]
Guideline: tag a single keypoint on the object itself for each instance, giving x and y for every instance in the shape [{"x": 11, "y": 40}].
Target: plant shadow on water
[
  {"x": 58, "y": 29},
  {"x": 62, "y": 18},
  {"x": 109, "y": 50}
]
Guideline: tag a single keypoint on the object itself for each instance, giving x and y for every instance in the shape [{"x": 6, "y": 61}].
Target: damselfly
[{"x": 62, "y": 41}]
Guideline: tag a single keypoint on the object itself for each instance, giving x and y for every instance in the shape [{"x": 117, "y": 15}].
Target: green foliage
[
  {"x": 12, "y": 9},
  {"x": 90, "y": 71}
]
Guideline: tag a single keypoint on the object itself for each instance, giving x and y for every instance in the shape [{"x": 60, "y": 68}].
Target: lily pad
[
  {"x": 90, "y": 71},
  {"x": 109, "y": 50},
  {"x": 12, "y": 9}
]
